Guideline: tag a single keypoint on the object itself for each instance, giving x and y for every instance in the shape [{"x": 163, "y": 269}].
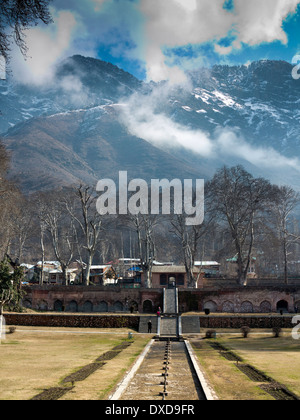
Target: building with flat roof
[{"x": 163, "y": 276}]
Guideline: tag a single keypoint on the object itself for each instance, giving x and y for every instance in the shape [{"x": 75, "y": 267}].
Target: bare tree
[
  {"x": 190, "y": 238},
  {"x": 239, "y": 199},
  {"x": 23, "y": 225},
  {"x": 89, "y": 222},
  {"x": 9, "y": 202},
  {"x": 61, "y": 229},
  {"x": 286, "y": 201},
  {"x": 144, "y": 226},
  {"x": 40, "y": 201},
  {"x": 16, "y": 16}
]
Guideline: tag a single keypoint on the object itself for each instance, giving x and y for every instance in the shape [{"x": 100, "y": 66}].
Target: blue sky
[{"x": 160, "y": 39}]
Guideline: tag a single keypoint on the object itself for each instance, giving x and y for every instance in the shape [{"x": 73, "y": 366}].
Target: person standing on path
[{"x": 150, "y": 327}]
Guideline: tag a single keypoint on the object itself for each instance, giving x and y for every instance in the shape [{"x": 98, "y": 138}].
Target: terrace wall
[{"x": 76, "y": 299}]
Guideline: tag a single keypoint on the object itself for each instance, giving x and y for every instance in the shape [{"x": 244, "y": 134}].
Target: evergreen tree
[{"x": 10, "y": 285}]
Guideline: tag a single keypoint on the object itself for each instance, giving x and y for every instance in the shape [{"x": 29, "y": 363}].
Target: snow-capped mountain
[
  {"x": 78, "y": 83},
  {"x": 93, "y": 120},
  {"x": 261, "y": 101}
]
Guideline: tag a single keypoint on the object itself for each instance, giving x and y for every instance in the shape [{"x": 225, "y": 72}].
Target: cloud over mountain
[{"x": 157, "y": 39}]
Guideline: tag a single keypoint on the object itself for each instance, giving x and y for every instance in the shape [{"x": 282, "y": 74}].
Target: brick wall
[
  {"x": 240, "y": 300},
  {"x": 90, "y": 299},
  {"x": 246, "y": 300}
]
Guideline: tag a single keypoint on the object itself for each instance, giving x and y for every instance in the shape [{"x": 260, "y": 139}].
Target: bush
[
  {"x": 245, "y": 331},
  {"x": 211, "y": 334},
  {"x": 277, "y": 331},
  {"x": 12, "y": 330}
]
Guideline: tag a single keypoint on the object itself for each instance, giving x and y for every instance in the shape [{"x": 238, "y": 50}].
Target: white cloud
[
  {"x": 229, "y": 144},
  {"x": 259, "y": 21},
  {"x": 45, "y": 48},
  {"x": 176, "y": 23},
  {"x": 161, "y": 131},
  {"x": 190, "y": 5},
  {"x": 143, "y": 30},
  {"x": 222, "y": 50},
  {"x": 172, "y": 23},
  {"x": 142, "y": 117},
  {"x": 99, "y": 4}
]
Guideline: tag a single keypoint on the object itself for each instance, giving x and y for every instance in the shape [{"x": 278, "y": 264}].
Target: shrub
[
  {"x": 245, "y": 331},
  {"x": 277, "y": 331},
  {"x": 211, "y": 334},
  {"x": 12, "y": 330}
]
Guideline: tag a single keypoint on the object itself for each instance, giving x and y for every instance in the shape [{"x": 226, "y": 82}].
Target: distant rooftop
[{"x": 206, "y": 263}]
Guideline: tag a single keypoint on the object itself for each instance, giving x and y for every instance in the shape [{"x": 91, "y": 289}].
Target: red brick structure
[
  {"x": 97, "y": 299},
  {"x": 113, "y": 299},
  {"x": 162, "y": 275},
  {"x": 241, "y": 300}
]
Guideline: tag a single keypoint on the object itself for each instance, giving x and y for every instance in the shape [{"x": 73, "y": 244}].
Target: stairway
[
  {"x": 169, "y": 326},
  {"x": 170, "y": 320},
  {"x": 170, "y": 301}
]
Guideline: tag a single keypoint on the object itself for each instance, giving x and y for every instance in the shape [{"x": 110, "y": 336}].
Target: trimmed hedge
[
  {"x": 237, "y": 322},
  {"x": 123, "y": 321},
  {"x": 73, "y": 321}
]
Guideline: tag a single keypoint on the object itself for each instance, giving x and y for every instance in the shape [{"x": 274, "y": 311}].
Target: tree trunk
[
  {"x": 148, "y": 279},
  {"x": 43, "y": 258},
  {"x": 243, "y": 279},
  {"x": 65, "y": 275},
  {"x": 192, "y": 282},
  {"x": 286, "y": 274},
  {"x": 241, "y": 272},
  {"x": 88, "y": 270},
  {"x": 2, "y": 324}
]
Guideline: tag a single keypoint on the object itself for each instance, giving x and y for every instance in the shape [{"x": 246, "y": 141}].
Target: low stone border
[
  {"x": 207, "y": 389},
  {"x": 122, "y": 386}
]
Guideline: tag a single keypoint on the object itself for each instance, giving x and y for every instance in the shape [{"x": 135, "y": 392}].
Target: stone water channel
[
  {"x": 167, "y": 371},
  {"x": 166, "y": 374}
]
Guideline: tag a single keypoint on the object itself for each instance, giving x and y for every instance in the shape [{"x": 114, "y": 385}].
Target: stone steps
[
  {"x": 170, "y": 296},
  {"x": 169, "y": 326}
]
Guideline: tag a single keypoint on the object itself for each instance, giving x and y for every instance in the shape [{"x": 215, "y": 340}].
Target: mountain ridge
[{"x": 74, "y": 129}]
